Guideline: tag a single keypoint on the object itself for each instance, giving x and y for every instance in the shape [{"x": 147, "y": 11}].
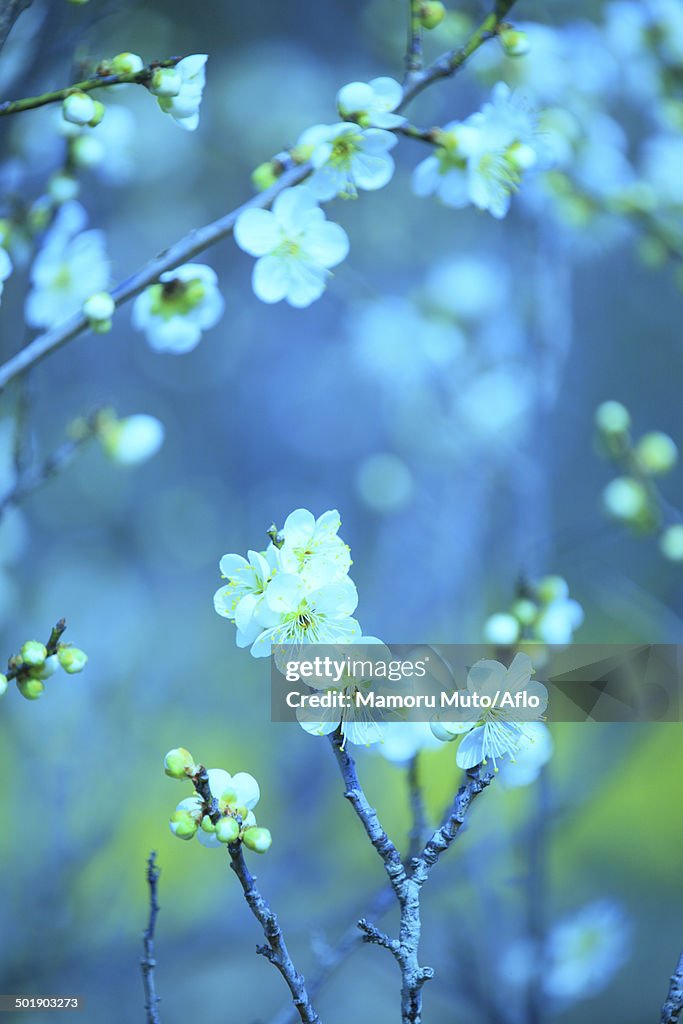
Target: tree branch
[
  {"x": 9, "y": 12},
  {"x": 417, "y": 808},
  {"x": 414, "y": 48},
  {"x": 275, "y": 951},
  {"x": 148, "y": 963},
  {"x": 98, "y": 81},
  {"x": 673, "y": 1006},
  {"x": 451, "y": 62}
]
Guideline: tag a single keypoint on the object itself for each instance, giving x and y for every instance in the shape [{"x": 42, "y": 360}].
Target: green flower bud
[
  {"x": 30, "y": 688},
  {"x": 165, "y": 82},
  {"x": 501, "y": 629},
  {"x": 100, "y": 111},
  {"x": 257, "y": 839},
  {"x": 227, "y": 830},
  {"x": 552, "y": 588},
  {"x": 72, "y": 659},
  {"x": 432, "y": 14},
  {"x": 514, "y": 42},
  {"x": 625, "y": 499},
  {"x": 78, "y": 108},
  {"x": 612, "y": 418},
  {"x": 525, "y": 611},
  {"x": 183, "y": 825},
  {"x": 671, "y": 543},
  {"x": 126, "y": 64},
  {"x": 263, "y": 176},
  {"x": 179, "y": 763},
  {"x": 46, "y": 670},
  {"x": 207, "y": 825},
  {"x": 656, "y": 453},
  {"x": 33, "y": 654},
  {"x": 3, "y": 684}
]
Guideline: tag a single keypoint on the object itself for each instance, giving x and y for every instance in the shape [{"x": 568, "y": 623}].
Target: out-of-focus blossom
[
  {"x": 5, "y": 268},
  {"x": 174, "y": 312},
  {"x": 372, "y": 104}
]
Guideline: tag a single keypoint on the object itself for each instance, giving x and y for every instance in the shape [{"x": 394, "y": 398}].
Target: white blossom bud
[
  {"x": 72, "y": 659},
  {"x": 656, "y": 453},
  {"x": 552, "y": 588},
  {"x": 46, "y": 670},
  {"x": 33, "y": 654},
  {"x": 99, "y": 309},
  {"x": 30, "y": 688},
  {"x": 502, "y": 629},
  {"x": 78, "y": 108},
  {"x": 165, "y": 82},
  {"x": 183, "y": 825},
  {"x": 257, "y": 839},
  {"x": 612, "y": 418},
  {"x": 87, "y": 151},
  {"x": 126, "y": 64},
  {"x": 671, "y": 543},
  {"x": 62, "y": 188},
  {"x": 132, "y": 440},
  {"x": 227, "y": 830},
  {"x": 3, "y": 684},
  {"x": 179, "y": 763},
  {"x": 625, "y": 498}
]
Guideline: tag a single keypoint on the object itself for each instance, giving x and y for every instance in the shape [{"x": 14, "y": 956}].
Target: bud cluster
[
  {"x": 632, "y": 498},
  {"x": 221, "y": 809},
  {"x": 36, "y": 662},
  {"x": 541, "y": 613}
]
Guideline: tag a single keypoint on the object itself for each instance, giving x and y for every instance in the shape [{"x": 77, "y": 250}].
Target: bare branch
[
  {"x": 148, "y": 963},
  {"x": 673, "y": 1006},
  {"x": 9, "y": 12},
  {"x": 414, "y": 48}
]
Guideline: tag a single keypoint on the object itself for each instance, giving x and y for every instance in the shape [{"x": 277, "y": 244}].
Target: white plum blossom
[
  {"x": 402, "y": 741},
  {"x": 371, "y": 104},
  {"x": 174, "y": 312},
  {"x": 347, "y": 158},
  {"x": 131, "y": 440},
  {"x": 482, "y": 160},
  {"x": 71, "y": 266},
  {"x": 558, "y": 621},
  {"x": 293, "y": 614},
  {"x": 313, "y": 548},
  {"x": 499, "y": 731},
  {"x": 295, "y": 246},
  {"x": 241, "y": 598},
  {"x": 5, "y": 268},
  {"x": 235, "y": 793},
  {"x": 356, "y": 724},
  {"x": 530, "y": 758},
  {"x": 184, "y": 106}
]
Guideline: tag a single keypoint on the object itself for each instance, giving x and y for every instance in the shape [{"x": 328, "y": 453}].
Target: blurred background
[{"x": 441, "y": 395}]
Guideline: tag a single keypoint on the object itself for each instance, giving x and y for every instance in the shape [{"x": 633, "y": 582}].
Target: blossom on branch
[
  {"x": 174, "y": 312},
  {"x": 295, "y": 246},
  {"x": 183, "y": 105},
  {"x": 371, "y": 104},
  {"x": 347, "y": 158}
]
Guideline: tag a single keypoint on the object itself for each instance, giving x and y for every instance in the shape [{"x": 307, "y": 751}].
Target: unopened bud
[
  {"x": 227, "y": 830},
  {"x": 625, "y": 499},
  {"x": 183, "y": 825},
  {"x": 33, "y": 654},
  {"x": 501, "y": 629},
  {"x": 432, "y": 14},
  {"x": 3, "y": 684},
  {"x": 612, "y": 418},
  {"x": 656, "y": 453},
  {"x": 179, "y": 763},
  {"x": 514, "y": 42},
  {"x": 78, "y": 108},
  {"x": 46, "y": 670},
  {"x": 99, "y": 309},
  {"x": 126, "y": 64},
  {"x": 72, "y": 659},
  {"x": 257, "y": 839},
  {"x": 552, "y": 588},
  {"x": 671, "y": 543},
  {"x": 165, "y": 82},
  {"x": 264, "y": 176},
  {"x": 30, "y": 688}
]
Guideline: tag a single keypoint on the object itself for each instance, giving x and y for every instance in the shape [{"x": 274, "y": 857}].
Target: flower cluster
[
  {"x": 542, "y": 613},
  {"x": 482, "y": 160},
  {"x": 632, "y": 498},
  {"x": 295, "y": 592},
  {"x": 222, "y": 808},
  {"x": 179, "y": 90},
  {"x": 174, "y": 312},
  {"x": 36, "y": 662},
  {"x": 499, "y": 732}
]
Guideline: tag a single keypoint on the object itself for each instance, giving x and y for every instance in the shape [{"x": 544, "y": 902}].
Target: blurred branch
[
  {"x": 449, "y": 63},
  {"x": 98, "y": 81},
  {"x": 275, "y": 950},
  {"x": 148, "y": 963},
  {"x": 16, "y": 667},
  {"x": 536, "y": 893},
  {"x": 9, "y": 12},
  {"x": 414, "y": 49},
  {"x": 193, "y": 243},
  {"x": 672, "y": 1008}
]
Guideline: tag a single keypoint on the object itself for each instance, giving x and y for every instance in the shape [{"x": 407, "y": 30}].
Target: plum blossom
[
  {"x": 530, "y": 758},
  {"x": 313, "y": 548},
  {"x": 482, "y": 159},
  {"x": 183, "y": 107},
  {"x": 174, "y": 312},
  {"x": 293, "y": 614},
  {"x": 71, "y": 266},
  {"x": 295, "y": 246},
  {"x": 241, "y": 598},
  {"x": 132, "y": 440},
  {"x": 347, "y": 158},
  {"x": 371, "y": 104},
  {"x": 236, "y": 794},
  {"x": 498, "y": 732}
]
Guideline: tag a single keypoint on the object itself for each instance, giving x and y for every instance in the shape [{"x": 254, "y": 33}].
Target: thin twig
[
  {"x": 34, "y": 476},
  {"x": 451, "y": 62},
  {"x": 98, "y": 81},
  {"x": 414, "y": 49},
  {"x": 275, "y": 951},
  {"x": 148, "y": 962},
  {"x": 673, "y": 1006}
]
